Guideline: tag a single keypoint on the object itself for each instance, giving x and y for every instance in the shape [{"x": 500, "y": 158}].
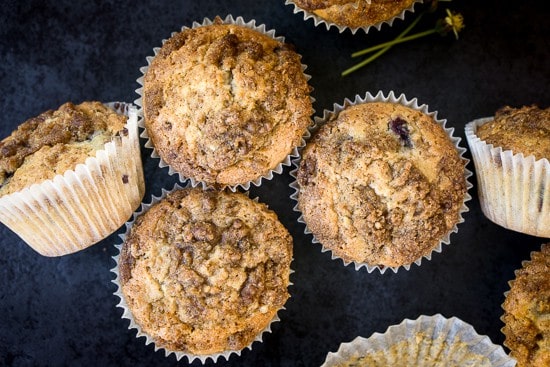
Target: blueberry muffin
[
  {"x": 205, "y": 272},
  {"x": 225, "y": 104},
  {"x": 381, "y": 183}
]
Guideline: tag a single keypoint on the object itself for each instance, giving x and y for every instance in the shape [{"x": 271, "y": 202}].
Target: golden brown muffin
[
  {"x": 225, "y": 104},
  {"x": 522, "y": 130},
  {"x": 205, "y": 272},
  {"x": 381, "y": 183},
  {"x": 527, "y": 312},
  {"x": 355, "y": 13},
  {"x": 54, "y": 142}
]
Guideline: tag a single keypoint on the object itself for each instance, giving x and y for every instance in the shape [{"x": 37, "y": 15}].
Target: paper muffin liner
[
  {"x": 127, "y": 313},
  {"x": 83, "y": 206},
  {"x": 391, "y": 98},
  {"x": 514, "y": 190},
  {"x": 425, "y": 342},
  {"x": 510, "y": 284},
  {"x": 229, "y": 19},
  {"x": 318, "y": 21}
]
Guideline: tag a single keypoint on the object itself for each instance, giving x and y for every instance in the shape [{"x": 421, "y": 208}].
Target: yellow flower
[{"x": 454, "y": 22}]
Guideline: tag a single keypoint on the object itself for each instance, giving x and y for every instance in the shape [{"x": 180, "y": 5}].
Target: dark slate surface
[{"x": 61, "y": 311}]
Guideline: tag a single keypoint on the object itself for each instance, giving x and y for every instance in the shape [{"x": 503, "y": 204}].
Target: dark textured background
[{"x": 61, "y": 311}]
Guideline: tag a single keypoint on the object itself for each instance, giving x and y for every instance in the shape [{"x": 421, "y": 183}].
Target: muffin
[
  {"x": 353, "y": 14},
  {"x": 381, "y": 183},
  {"x": 429, "y": 341},
  {"x": 72, "y": 176},
  {"x": 204, "y": 273},
  {"x": 527, "y": 312},
  {"x": 511, "y": 153},
  {"x": 225, "y": 104}
]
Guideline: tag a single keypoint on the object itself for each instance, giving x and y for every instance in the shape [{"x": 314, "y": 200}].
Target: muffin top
[
  {"x": 55, "y": 141},
  {"x": 224, "y": 104},
  {"x": 205, "y": 272},
  {"x": 523, "y": 130},
  {"x": 527, "y": 312},
  {"x": 355, "y": 13},
  {"x": 381, "y": 183}
]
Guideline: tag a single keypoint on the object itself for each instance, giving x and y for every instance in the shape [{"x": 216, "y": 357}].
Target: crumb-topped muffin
[
  {"x": 71, "y": 176},
  {"x": 429, "y": 341},
  {"x": 55, "y": 141},
  {"x": 511, "y": 153},
  {"x": 355, "y": 13},
  {"x": 527, "y": 312},
  {"x": 381, "y": 183},
  {"x": 205, "y": 272},
  {"x": 522, "y": 130},
  {"x": 224, "y": 104}
]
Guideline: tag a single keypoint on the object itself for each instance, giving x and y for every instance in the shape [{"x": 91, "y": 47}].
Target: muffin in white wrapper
[
  {"x": 205, "y": 305},
  {"x": 300, "y": 108},
  {"x": 82, "y": 206},
  {"x": 526, "y": 309},
  {"x": 513, "y": 189},
  {"x": 355, "y": 182},
  {"x": 353, "y": 15},
  {"x": 429, "y": 341}
]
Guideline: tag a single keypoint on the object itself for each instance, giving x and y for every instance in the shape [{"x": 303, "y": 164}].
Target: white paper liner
[
  {"x": 317, "y": 20},
  {"x": 453, "y": 341},
  {"x": 514, "y": 190},
  {"x": 149, "y": 144},
  {"x": 127, "y": 314},
  {"x": 510, "y": 284},
  {"x": 81, "y": 207},
  {"x": 391, "y": 98}
]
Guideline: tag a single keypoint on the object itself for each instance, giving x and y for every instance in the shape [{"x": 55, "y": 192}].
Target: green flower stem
[
  {"x": 401, "y": 35},
  {"x": 365, "y": 62},
  {"x": 395, "y": 42}
]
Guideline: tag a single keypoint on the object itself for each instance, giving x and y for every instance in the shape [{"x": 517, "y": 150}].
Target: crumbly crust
[
  {"x": 527, "y": 312},
  {"x": 523, "y": 130},
  {"x": 205, "y": 272},
  {"x": 54, "y": 142},
  {"x": 381, "y": 184},
  {"x": 225, "y": 104},
  {"x": 355, "y": 13}
]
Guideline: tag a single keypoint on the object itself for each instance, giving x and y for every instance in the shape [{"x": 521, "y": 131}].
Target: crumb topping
[
  {"x": 381, "y": 184},
  {"x": 523, "y": 130},
  {"x": 355, "y": 13},
  {"x": 225, "y": 104},
  {"x": 54, "y": 142},
  {"x": 527, "y": 312},
  {"x": 205, "y": 272}
]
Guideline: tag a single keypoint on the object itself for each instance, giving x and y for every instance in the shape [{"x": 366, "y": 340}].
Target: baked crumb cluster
[
  {"x": 54, "y": 142},
  {"x": 205, "y": 272},
  {"x": 527, "y": 312},
  {"x": 523, "y": 130},
  {"x": 381, "y": 184},
  {"x": 355, "y": 13},
  {"x": 225, "y": 104}
]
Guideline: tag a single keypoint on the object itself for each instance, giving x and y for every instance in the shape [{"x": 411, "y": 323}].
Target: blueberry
[{"x": 399, "y": 127}]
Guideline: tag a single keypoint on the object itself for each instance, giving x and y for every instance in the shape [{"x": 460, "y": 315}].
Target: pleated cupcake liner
[
  {"x": 127, "y": 313},
  {"x": 83, "y": 206},
  {"x": 411, "y": 103},
  {"x": 514, "y": 190},
  {"x": 229, "y": 19},
  {"x": 427, "y": 341},
  {"x": 318, "y": 21}
]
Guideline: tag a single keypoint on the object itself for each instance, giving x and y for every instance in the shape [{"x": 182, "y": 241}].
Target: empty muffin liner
[
  {"x": 127, "y": 313},
  {"x": 318, "y": 21},
  {"x": 229, "y": 19},
  {"x": 81, "y": 207},
  {"x": 514, "y": 190},
  {"x": 427, "y": 341},
  {"x": 392, "y": 98}
]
